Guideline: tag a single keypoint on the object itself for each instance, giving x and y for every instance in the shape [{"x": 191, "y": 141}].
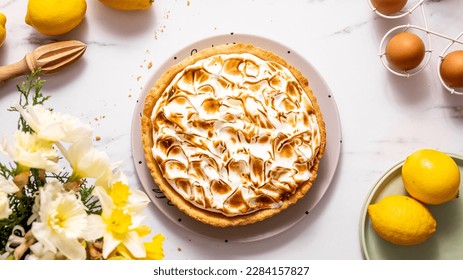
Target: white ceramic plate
[
  {"x": 447, "y": 241},
  {"x": 290, "y": 216}
]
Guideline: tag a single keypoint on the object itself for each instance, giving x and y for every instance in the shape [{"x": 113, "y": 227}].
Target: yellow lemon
[
  {"x": 2, "y": 28},
  {"x": 55, "y": 17},
  {"x": 431, "y": 176},
  {"x": 402, "y": 220},
  {"x": 128, "y": 5}
]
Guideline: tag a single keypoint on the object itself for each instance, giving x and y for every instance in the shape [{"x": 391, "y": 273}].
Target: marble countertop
[{"x": 383, "y": 117}]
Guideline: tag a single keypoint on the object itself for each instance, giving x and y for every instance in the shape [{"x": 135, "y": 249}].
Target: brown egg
[
  {"x": 388, "y": 7},
  {"x": 405, "y": 51},
  {"x": 451, "y": 69}
]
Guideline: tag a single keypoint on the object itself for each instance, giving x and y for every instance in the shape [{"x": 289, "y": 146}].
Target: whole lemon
[
  {"x": 431, "y": 176},
  {"x": 2, "y": 28},
  {"x": 128, "y": 5},
  {"x": 402, "y": 220},
  {"x": 55, "y": 17}
]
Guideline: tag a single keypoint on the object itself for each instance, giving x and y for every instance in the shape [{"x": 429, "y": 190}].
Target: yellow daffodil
[
  {"x": 52, "y": 126},
  {"x": 123, "y": 196},
  {"x": 122, "y": 225},
  {"x": 30, "y": 151},
  {"x": 154, "y": 250},
  {"x": 62, "y": 221}
]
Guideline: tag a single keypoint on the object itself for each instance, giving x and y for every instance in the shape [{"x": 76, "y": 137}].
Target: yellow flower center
[
  {"x": 119, "y": 192},
  {"x": 119, "y": 222}
]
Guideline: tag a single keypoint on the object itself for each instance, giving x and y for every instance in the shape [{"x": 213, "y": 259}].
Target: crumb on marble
[
  {"x": 149, "y": 65},
  {"x": 100, "y": 117},
  {"x": 97, "y": 138}
]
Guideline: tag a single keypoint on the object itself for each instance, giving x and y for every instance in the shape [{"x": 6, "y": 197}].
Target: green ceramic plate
[{"x": 447, "y": 242}]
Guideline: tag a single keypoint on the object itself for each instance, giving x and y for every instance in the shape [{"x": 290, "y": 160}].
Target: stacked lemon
[{"x": 429, "y": 177}]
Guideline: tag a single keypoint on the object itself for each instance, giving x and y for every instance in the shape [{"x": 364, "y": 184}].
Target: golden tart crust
[{"x": 196, "y": 171}]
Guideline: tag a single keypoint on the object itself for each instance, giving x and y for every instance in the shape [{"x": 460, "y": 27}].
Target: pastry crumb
[
  {"x": 150, "y": 64},
  {"x": 97, "y": 138}
]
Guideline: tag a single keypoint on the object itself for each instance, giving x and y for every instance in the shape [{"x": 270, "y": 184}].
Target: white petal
[
  {"x": 86, "y": 160},
  {"x": 31, "y": 121},
  {"x": 138, "y": 196},
  {"x": 109, "y": 244},
  {"x": 137, "y": 201},
  {"x": 134, "y": 244},
  {"x": 119, "y": 176},
  {"x": 43, "y": 234},
  {"x": 71, "y": 248},
  {"x": 106, "y": 202},
  {"x": 52, "y": 132},
  {"x": 96, "y": 228},
  {"x": 5, "y": 210},
  {"x": 54, "y": 126},
  {"x": 137, "y": 220},
  {"x": 7, "y": 186}
]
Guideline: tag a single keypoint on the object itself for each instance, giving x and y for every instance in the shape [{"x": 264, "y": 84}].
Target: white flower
[
  {"x": 7, "y": 186},
  {"x": 39, "y": 252},
  {"x": 62, "y": 221},
  {"x": 122, "y": 226},
  {"x": 30, "y": 151},
  {"x": 53, "y": 126},
  {"x": 5, "y": 210},
  {"x": 86, "y": 161}
]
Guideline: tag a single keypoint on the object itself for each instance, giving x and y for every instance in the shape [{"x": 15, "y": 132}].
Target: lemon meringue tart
[{"x": 233, "y": 134}]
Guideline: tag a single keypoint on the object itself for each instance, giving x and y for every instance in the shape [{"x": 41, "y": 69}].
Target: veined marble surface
[{"x": 383, "y": 117}]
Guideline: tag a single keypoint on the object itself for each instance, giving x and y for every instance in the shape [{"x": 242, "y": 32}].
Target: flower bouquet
[{"x": 47, "y": 212}]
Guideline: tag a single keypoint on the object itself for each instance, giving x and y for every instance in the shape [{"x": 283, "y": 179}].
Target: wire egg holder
[{"x": 421, "y": 32}]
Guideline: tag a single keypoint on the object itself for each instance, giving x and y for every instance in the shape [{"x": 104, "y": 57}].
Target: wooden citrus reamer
[{"x": 50, "y": 58}]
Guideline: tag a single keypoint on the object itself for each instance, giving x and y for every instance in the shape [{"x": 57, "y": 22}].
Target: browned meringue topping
[{"x": 235, "y": 134}]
